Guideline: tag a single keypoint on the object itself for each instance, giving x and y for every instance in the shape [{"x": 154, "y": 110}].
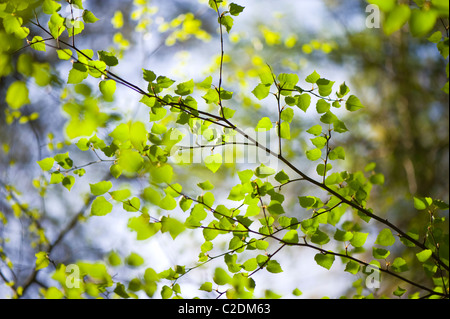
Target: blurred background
[{"x": 403, "y": 128}]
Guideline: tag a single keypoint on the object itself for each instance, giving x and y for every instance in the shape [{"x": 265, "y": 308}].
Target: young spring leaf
[
  {"x": 226, "y": 21},
  {"x": 265, "y": 124},
  {"x": 314, "y": 154},
  {"x": 385, "y": 238},
  {"x": 304, "y": 101},
  {"x": 424, "y": 255},
  {"x": 47, "y": 163},
  {"x": 108, "y": 57},
  {"x": 89, "y": 17},
  {"x": 324, "y": 260},
  {"x": 353, "y": 104},
  {"x": 261, "y": 91},
  {"x": 42, "y": 260},
  {"x": 358, "y": 239},
  {"x": 325, "y": 86},
  {"x": 17, "y": 95},
  {"x": 235, "y": 9},
  {"x": 213, "y": 162},
  {"x": 312, "y": 78},
  {"x": 273, "y": 266},
  {"x": 101, "y": 207},
  {"x": 291, "y": 237}
]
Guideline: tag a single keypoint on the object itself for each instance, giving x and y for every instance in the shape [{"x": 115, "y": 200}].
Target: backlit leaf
[
  {"x": 100, "y": 206},
  {"x": 324, "y": 260}
]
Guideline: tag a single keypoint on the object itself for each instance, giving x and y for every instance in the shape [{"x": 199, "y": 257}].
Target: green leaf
[
  {"x": 320, "y": 238},
  {"x": 329, "y": 118},
  {"x": 101, "y": 207},
  {"x": 77, "y": 74},
  {"x": 68, "y": 182},
  {"x": 275, "y": 208},
  {"x": 100, "y": 188},
  {"x": 399, "y": 265},
  {"x": 285, "y": 131},
  {"x": 185, "y": 203},
  {"x": 287, "y": 81},
  {"x": 319, "y": 142},
  {"x": 282, "y": 177},
  {"x": 265, "y": 124},
  {"x": 337, "y": 153},
  {"x": 422, "y": 22},
  {"x": 115, "y": 170},
  {"x": 211, "y": 96},
  {"x": 261, "y": 91},
  {"x": 138, "y": 135},
  {"x": 343, "y": 91},
  {"x": 142, "y": 227},
  {"x": 108, "y": 87},
  {"x": 134, "y": 260},
  {"x": 385, "y": 238},
  {"x": 325, "y": 87},
  {"x": 421, "y": 203},
  {"x": 384, "y": 5},
  {"x": 399, "y": 291},
  {"x": 114, "y": 259},
  {"x": 315, "y": 130},
  {"x": 108, "y": 57},
  {"x": 221, "y": 277},
  {"x": 304, "y": 101},
  {"x": 168, "y": 203},
  {"x": 89, "y": 17},
  {"x": 207, "y": 286},
  {"x": 380, "y": 253},
  {"x": 273, "y": 266},
  {"x": 172, "y": 225},
  {"x": 130, "y": 161},
  {"x": 250, "y": 265},
  {"x": 312, "y": 78},
  {"x": 352, "y": 267},
  {"x": 358, "y": 239},
  {"x": 206, "y": 186},
  {"x": 47, "y": 163},
  {"x": 245, "y": 176},
  {"x": 17, "y": 95},
  {"x": 324, "y": 260},
  {"x": 296, "y": 292},
  {"x": 291, "y": 237},
  {"x": 353, "y": 103},
  {"x": 287, "y": 115},
  {"x": 235, "y": 9},
  {"x": 377, "y": 179},
  {"x": 56, "y": 25},
  {"x": 322, "y": 106},
  {"x": 341, "y": 235},
  {"x": 42, "y": 260},
  {"x": 396, "y": 19},
  {"x": 226, "y": 21},
  {"x": 56, "y": 178},
  {"x": 213, "y": 162},
  {"x": 185, "y": 88},
  {"x": 64, "y": 160},
  {"x": 64, "y": 54},
  {"x": 314, "y": 154},
  {"x": 424, "y": 255},
  {"x": 50, "y": 6},
  {"x": 264, "y": 171},
  {"x": 120, "y": 195},
  {"x": 132, "y": 205},
  {"x": 38, "y": 44},
  {"x": 121, "y": 291}
]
